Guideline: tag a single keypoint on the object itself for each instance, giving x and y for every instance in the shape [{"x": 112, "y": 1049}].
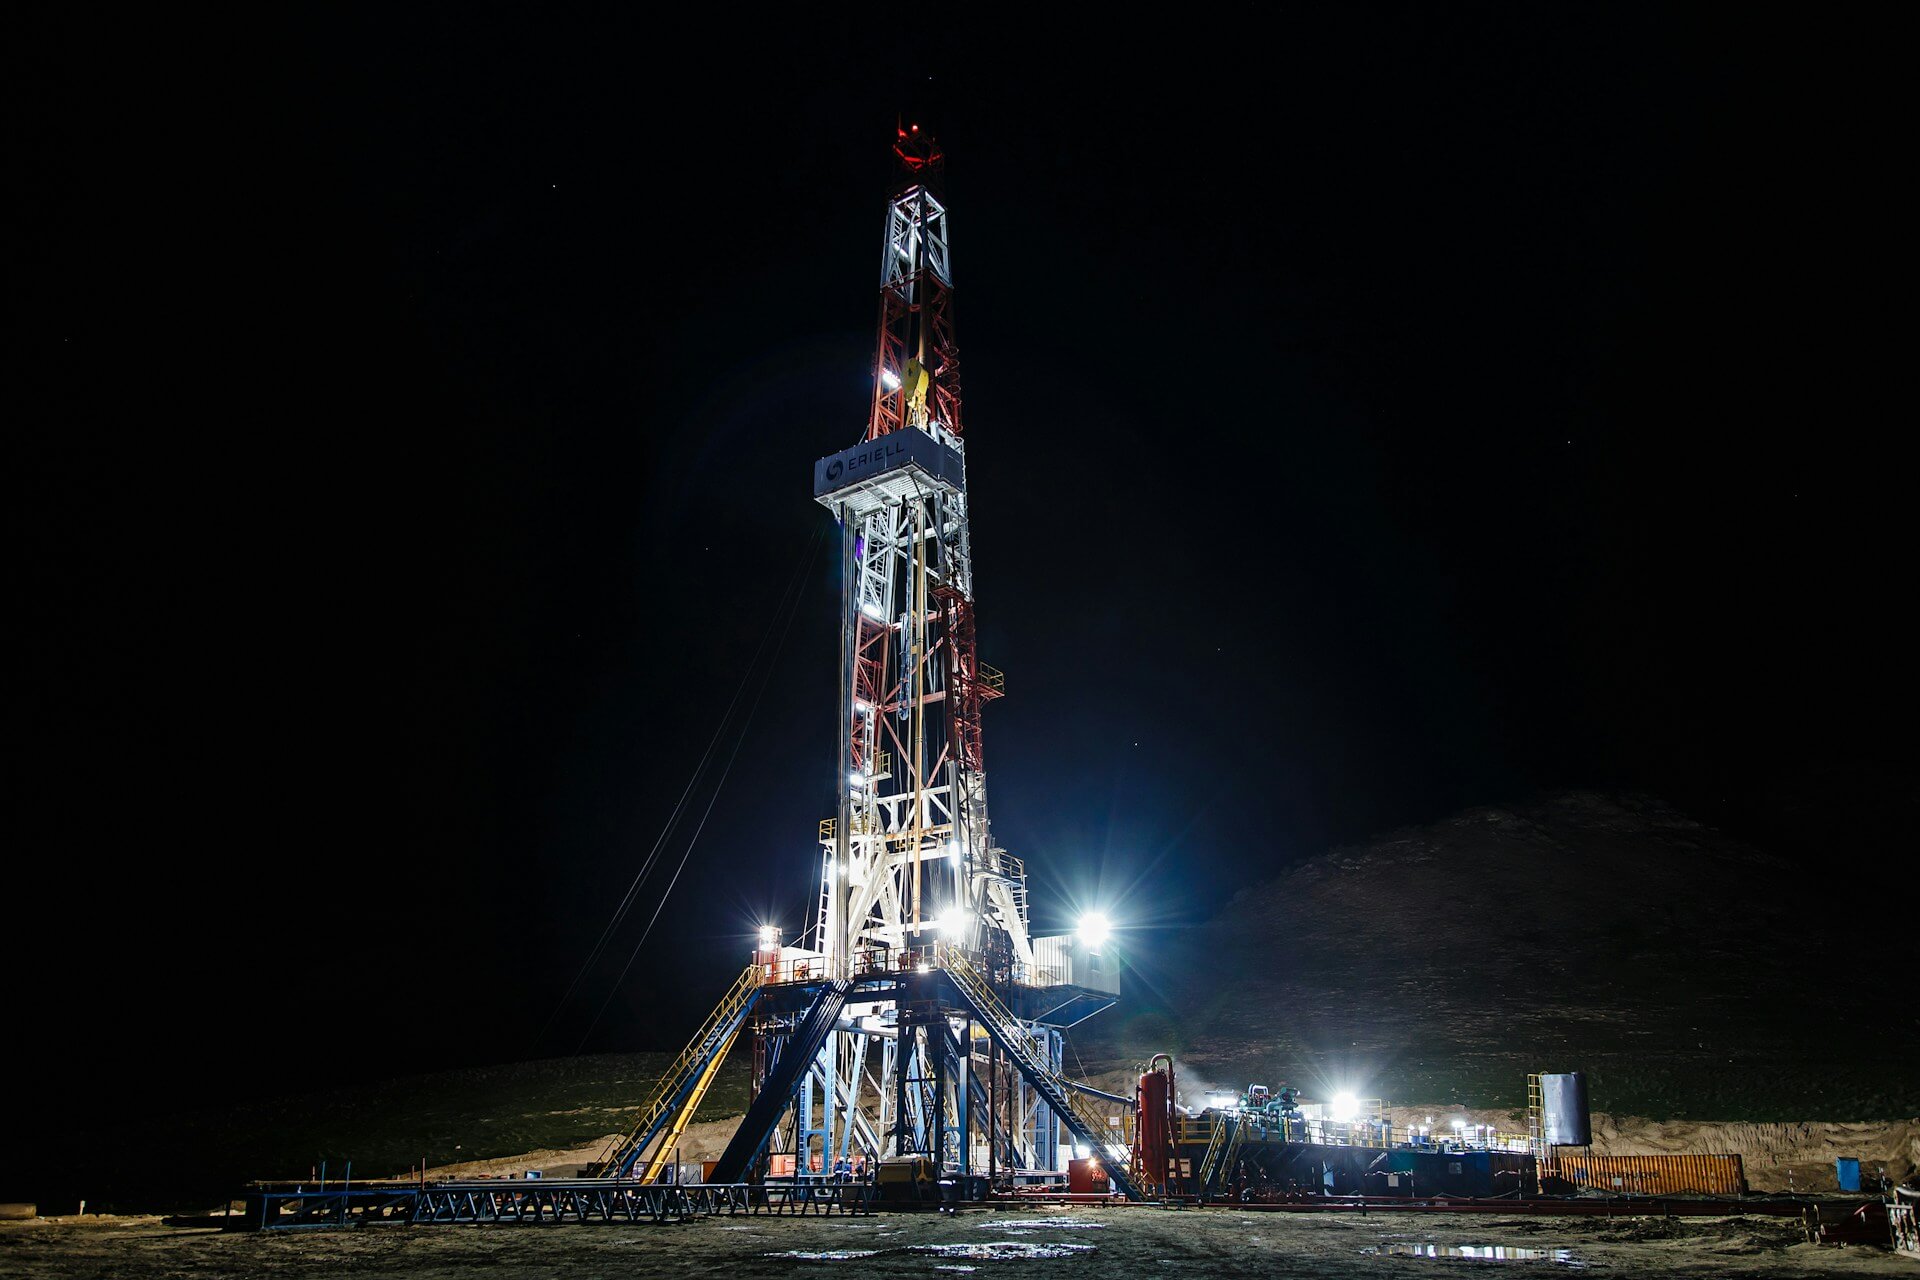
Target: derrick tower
[
  {"x": 910, "y": 857},
  {"x": 915, "y": 1014}
]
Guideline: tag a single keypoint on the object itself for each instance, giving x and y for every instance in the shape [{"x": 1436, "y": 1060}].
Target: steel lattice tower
[
  {"x": 910, "y": 853},
  {"x": 917, "y": 1016}
]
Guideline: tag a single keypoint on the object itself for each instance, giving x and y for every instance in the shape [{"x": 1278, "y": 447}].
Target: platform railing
[{"x": 1357, "y": 1133}]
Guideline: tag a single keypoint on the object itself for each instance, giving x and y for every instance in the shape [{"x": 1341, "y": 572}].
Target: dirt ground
[{"x": 1057, "y": 1244}]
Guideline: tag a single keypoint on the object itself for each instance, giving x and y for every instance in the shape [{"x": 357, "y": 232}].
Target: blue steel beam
[{"x": 778, "y": 1089}]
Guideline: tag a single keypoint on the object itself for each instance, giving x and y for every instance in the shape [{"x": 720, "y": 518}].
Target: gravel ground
[{"x": 1055, "y": 1243}]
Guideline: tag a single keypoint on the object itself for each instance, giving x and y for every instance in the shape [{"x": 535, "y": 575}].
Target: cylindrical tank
[
  {"x": 1563, "y": 1099},
  {"x": 1153, "y": 1121}
]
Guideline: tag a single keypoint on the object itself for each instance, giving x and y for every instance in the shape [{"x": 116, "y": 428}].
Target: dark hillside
[
  {"x": 196, "y": 1159},
  {"x": 1690, "y": 974}
]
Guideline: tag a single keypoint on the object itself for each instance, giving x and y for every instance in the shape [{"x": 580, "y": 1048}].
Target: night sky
[{"x": 1371, "y": 413}]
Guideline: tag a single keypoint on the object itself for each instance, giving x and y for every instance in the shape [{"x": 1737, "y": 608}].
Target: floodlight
[{"x": 1094, "y": 929}]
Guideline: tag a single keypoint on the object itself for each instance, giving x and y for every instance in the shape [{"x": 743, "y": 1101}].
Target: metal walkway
[{"x": 554, "y": 1202}]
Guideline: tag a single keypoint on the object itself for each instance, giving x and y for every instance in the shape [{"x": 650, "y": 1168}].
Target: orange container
[{"x": 1656, "y": 1175}]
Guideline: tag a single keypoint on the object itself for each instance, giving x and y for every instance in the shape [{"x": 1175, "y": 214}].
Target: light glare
[{"x": 1094, "y": 929}]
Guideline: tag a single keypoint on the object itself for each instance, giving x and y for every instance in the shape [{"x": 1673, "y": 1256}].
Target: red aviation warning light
[{"x": 917, "y": 151}]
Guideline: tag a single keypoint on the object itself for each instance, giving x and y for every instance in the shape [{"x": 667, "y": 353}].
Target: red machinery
[{"x": 1153, "y": 1124}]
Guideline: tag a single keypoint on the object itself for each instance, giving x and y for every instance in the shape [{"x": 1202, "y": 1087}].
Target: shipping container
[{"x": 1656, "y": 1175}]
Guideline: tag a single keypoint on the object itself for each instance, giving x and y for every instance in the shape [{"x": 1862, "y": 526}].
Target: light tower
[{"x": 916, "y": 1015}]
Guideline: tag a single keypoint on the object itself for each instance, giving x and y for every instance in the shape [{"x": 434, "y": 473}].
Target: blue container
[{"x": 1848, "y": 1171}]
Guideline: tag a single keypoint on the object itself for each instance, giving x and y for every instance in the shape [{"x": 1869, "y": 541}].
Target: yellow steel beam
[{"x": 684, "y": 1116}]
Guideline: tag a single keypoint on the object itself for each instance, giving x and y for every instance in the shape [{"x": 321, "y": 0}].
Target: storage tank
[
  {"x": 1153, "y": 1121},
  {"x": 1563, "y": 1098}
]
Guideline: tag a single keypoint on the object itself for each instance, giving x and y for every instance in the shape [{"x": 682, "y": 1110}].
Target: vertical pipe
[
  {"x": 902, "y": 1060},
  {"x": 993, "y": 1079},
  {"x": 937, "y": 1140},
  {"x": 963, "y": 1099},
  {"x": 917, "y": 655},
  {"x": 838, "y": 946}
]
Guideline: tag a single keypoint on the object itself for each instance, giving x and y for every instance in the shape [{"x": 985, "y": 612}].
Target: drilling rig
[{"x": 916, "y": 1016}]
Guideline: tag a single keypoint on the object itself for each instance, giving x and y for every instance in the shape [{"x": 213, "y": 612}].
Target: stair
[
  {"x": 1222, "y": 1150},
  {"x": 776, "y": 1091},
  {"x": 678, "y": 1093},
  {"x": 1544, "y": 1166},
  {"x": 1008, "y": 1032}
]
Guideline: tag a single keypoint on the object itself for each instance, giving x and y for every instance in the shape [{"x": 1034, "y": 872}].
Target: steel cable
[
  {"x": 790, "y": 606},
  {"x": 789, "y": 600}
]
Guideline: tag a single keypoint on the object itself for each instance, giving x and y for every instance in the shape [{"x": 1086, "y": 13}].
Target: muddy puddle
[
  {"x": 1479, "y": 1252},
  {"x": 986, "y": 1251}
]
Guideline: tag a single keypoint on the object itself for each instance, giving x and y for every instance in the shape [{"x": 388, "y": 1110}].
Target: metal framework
[
  {"x": 909, "y": 861},
  {"x": 917, "y": 1015},
  {"x": 541, "y": 1202}
]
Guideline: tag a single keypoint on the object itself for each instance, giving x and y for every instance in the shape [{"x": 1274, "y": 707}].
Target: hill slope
[
  {"x": 190, "y": 1161},
  {"x": 1689, "y": 974}
]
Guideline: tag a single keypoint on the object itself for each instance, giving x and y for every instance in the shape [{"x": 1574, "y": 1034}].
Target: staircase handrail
[{"x": 622, "y": 1151}]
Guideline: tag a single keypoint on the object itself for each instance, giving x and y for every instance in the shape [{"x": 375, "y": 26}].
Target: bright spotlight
[
  {"x": 951, "y": 922},
  {"x": 889, "y": 379},
  {"x": 873, "y": 611},
  {"x": 1094, "y": 929},
  {"x": 1345, "y": 1108},
  {"x": 769, "y": 935}
]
